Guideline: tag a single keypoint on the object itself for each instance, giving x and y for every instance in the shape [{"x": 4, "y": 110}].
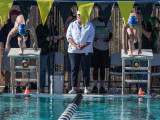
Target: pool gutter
[{"x": 72, "y": 96}]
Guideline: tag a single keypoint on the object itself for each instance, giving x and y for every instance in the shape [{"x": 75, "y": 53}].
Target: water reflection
[
  {"x": 117, "y": 109},
  {"x": 32, "y": 108},
  {"x": 90, "y": 108}
]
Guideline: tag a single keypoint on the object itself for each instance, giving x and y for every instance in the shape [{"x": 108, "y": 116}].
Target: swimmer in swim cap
[
  {"x": 132, "y": 22},
  {"x": 134, "y": 33},
  {"x": 23, "y": 29}
]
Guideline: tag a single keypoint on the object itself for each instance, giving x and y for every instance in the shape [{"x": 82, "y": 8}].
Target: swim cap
[
  {"x": 152, "y": 20},
  {"x": 132, "y": 20},
  {"x": 22, "y": 29}
]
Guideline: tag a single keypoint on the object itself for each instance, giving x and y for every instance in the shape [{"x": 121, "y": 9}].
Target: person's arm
[
  {"x": 90, "y": 38},
  {"x": 124, "y": 33},
  {"x": 109, "y": 28},
  {"x": 56, "y": 38},
  {"x": 84, "y": 45},
  {"x": 3, "y": 37},
  {"x": 71, "y": 41},
  {"x": 123, "y": 36},
  {"x": 70, "y": 38},
  {"x": 146, "y": 33},
  {"x": 91, "y": 35},
  {"x": 143, "y": 24},
  {"x": 69, "y": 19},
  {"x": 69, "y": 32},
  {"x": 12, "y": 32},
  {"x": 35, "y": 45},
  {"x": 139, "y": 33},
  {"x": 3, "y": 34},
  {"x": 109, "y": 38},
  {"x": 158, "y": 28}
]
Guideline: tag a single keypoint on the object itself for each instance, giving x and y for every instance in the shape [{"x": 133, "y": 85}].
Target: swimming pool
[{"x": 92, "y": 107}]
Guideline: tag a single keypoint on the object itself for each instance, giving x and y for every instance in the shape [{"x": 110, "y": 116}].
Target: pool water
[
  {"x": 32, "y": 108},
  {"x": 118, "y": 109},
  {"x": 90, "y": 108}
]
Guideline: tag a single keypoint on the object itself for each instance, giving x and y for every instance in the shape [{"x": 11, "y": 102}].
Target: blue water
[
  {"x": 32, "y": 108},
  {"x": 90, "y": 108}
]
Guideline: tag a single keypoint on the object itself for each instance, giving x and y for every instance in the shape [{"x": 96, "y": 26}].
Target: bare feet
[
  {"x": 130, "y": 53},
  {"x": 139, "y": 52},
  {"x": 35, "y": 47},
  {"x": 125, "y": 51},
  {"x": 20, "y": 52}
]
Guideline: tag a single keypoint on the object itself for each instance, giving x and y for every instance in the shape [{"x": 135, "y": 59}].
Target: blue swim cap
[
  {"x": 22, "y": 29},
  {"x": 132, "y": 20}
]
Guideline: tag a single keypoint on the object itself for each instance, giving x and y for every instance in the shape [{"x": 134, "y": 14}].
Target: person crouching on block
[
  {"x": 23, "y": 29},
  {"x": 133, "y": 29}
]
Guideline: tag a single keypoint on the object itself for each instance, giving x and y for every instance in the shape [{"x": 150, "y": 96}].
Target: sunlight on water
[{"x": 90, "y": 108}]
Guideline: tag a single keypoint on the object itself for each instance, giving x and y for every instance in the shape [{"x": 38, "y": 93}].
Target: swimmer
[
  {"x": 133, "y": 30},
  {"x": 23, "y": 29}
]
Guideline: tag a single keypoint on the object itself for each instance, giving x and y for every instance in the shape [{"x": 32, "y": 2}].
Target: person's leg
[
  {"x": 67, "y": 67},
  {"x": 79, "y": 80},
  {"x": 7, "y": 81},
  {"x": 24, "y": 41},
  {"x": 102, "y": 76},
  {"x": 5, "y": 66},
  {"x": 75, "y": 62},
  {"x": 130, "y": 52},
  {"x": 43, "y": 63},
  {"x": 95, "y": 80},
  {"x": 49, "y": 66},
  {"x": 50, "y": 56},
  {"x": 95, "y": 64},
  {"x": 85, "y": 63},
  {"x": 95, "y": 76},
  {"x": 20, "y": 43},
  {"x": 7, "y": 78},
  {"x": 105, "y": 62},
  {"x": 18, "y": 89}
]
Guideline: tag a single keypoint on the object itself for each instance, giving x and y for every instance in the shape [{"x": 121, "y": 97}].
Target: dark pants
[
  {"x": 100, "y": 59},
  {"x": 77, "y": 59},
  {"x": 102, "y": 73},
  {"x": 44, "y": 62}
]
